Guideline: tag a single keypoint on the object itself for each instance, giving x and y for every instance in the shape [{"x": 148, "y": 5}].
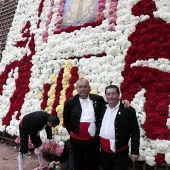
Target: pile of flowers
[
  {"x": 52, "y": 166},
  {"x": 127, "y": 45}
]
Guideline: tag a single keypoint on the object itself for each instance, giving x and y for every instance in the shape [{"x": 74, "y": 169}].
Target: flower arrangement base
[
  {"x": 50, "y": 156},
  {"x": 57, "y": 168},
  {"x": 7, "y": 137},
  {"x": 54, "y": 168}
]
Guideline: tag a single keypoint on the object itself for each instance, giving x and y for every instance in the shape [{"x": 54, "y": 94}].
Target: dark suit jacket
[
  {"x": 33, "y": 123},
  {"x": 72, "y": 111},
  {"x": 126, "y": 127}
]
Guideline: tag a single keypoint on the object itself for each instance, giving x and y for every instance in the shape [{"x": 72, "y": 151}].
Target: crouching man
[{"x": 31, "y": 125}]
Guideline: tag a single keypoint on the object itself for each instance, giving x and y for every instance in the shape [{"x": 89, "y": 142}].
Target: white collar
[
  {"x": 87, "y": 99},
  {"x": 117, "y": 106}
]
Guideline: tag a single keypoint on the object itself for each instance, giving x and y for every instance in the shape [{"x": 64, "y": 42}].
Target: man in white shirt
[
  {"x": 116, "y": 126},
  {"x": 80, "y": 115}
]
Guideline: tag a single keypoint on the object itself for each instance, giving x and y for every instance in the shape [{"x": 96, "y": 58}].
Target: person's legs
[
  {"x": 92, "y": 155},
  {"x": 39, "y": 149},
  {"x": 69, "y": 159},
  {"x": 23, "y": 148},
  {"x": 21, "y": 160},
  {"x": 118, "y": 161},
  {"x": 40, "y": 156},
  {"x": 121, "y": 161},
  {"x": 107, "y": 160},
  {"x": 78, "y": 153}
]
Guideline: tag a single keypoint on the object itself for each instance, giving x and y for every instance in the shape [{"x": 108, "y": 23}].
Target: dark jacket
[
  {"x": 126, "y": 127},
  {"x": 33, "y": 123},
  {"x": 73, "y": 110}
]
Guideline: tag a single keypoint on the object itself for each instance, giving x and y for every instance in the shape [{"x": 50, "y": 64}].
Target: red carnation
[
  {"x": 160, "y": 158},
  {"x": 162, "y": 108}
]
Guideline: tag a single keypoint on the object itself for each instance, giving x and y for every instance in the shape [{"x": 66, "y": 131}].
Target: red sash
[
  {"x": 83, "y": 132},
  {"x": 105, "y": 144}
]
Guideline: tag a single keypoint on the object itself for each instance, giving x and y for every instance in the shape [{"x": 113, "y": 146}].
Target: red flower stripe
[
  {"x": 45, "y": 96},
  {"x": 73, "y": 28},
  {"x": 72, "y": 81},
  {"x": 39, "y": 12},
  {"x": 24, "y": 74},
  {"x": 58, "y": 89},
  {"x": 89, "y": 55},
  {"x": 40, "y": 8}
]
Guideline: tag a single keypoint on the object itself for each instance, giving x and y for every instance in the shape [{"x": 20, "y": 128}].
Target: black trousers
[
  {"x": 118, "y": 161},
  {"x": 24, "y": 140},
  {"x": 86, "y": 154}
]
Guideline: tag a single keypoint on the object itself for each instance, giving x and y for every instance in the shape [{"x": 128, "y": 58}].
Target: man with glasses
[{"x": 80, "y": 115}]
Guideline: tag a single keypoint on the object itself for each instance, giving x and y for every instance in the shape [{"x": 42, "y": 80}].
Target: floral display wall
[{"x": 128, "y": 45}]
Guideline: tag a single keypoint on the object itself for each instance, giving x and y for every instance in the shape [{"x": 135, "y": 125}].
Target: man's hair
[
  {"x": 54, "y": 120},
  {"x": 82, "y": 79},
  {"x": 111, "y": 87}
]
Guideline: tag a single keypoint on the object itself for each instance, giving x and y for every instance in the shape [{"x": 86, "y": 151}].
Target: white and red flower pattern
[{"x": 128, "y": 45}]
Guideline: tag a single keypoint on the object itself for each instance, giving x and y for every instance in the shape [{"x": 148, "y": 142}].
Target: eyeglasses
[{"x": 82, "y": 87}]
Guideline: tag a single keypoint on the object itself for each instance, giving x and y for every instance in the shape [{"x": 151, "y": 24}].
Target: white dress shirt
[
  {"x": 87, "y": 114},
  {"x": 107, "y": 130}
]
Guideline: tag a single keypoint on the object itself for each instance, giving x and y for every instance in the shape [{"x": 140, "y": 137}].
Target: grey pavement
[{"x": 8, "y": 157}]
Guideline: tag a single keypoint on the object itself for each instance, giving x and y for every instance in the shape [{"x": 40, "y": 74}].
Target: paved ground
[{"x": 8, "y": 157}]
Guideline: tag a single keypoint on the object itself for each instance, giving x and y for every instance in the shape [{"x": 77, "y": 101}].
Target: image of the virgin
[{"x": 79, "y": 12}]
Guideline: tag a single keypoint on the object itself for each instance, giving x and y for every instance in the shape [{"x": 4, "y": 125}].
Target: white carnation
[
  {"x": 150, "y": 160},
  {"x": 167, "y": 157},
  {"x": 162, "y": 147}
]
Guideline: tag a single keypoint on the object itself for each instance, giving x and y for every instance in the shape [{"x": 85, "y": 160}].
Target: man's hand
[
  {"x": 37, "y": 151},
  {"x": 126, "y": 103},
  {"x": 134, "y": 157}
]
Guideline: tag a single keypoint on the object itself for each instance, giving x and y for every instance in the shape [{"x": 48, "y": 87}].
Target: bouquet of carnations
[{"x": 52, "y": 166}]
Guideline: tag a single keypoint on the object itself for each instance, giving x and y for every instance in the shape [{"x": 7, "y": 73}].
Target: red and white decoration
[{"x": 128, "y": 45}]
